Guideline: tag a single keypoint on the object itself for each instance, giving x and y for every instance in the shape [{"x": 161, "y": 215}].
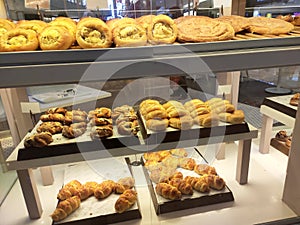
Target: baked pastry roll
[
  {"x": 93, "y": 33},
  {"x": 162, "y": 30},
  {"x": 202, "y": 29},
  {"x": 19, "y": 40},
  {"x": 113, "y": 23},
  {"x": 36, "y": 25},
  {"x": 68, "y": 23},
  {"x": 129, "y": 35},
  {"x": 6, "y": 25},
  {"x": 145, "y": 21},
  {"x": 239, "y": 23},
  {"x": 264, "y": 25},
  {"x": 55, "y": 37}
]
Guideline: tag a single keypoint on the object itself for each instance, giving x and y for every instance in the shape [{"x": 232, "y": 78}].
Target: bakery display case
[{"x": 143, "y": 65}]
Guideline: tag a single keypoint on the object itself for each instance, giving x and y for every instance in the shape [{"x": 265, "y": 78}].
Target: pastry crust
[
  {"x": 6, "y": 25},
  {"x": 19, "y": 40},
  {"x": 264, "y": 25},
  {"x": 295, "y": 99},
  {"x": 129, "y": 35},
  {"x": 145, "y": 20},
  {"x": 55, "y": 37},
  {"x": 36, "y": 25},
  {"x": 68, "y": 23},
  {"x": 239, "y": 23},
  {"x": 202, "y": 29},
  {"x": 162, "y": 30},
  {"x": 93, "y": 33}
]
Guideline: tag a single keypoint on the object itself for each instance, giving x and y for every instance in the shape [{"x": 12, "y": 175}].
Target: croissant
[
  {"x": 127, "y": 182},
  {"x": 126, "y": 201},
  {"x": 104, "y": 189},
  {"x": 38, "y": 140},
  {"x": 213, "y": 181},
  {"x": 197, "y": 184},
  {"x": 184, "y": 187},
  {"x": 65, "y": 208},
  {"x": 167, "y": 191},
  {"x": 70, "y": 189},
  {"x": 53, "y": 117},
  {"x": 187, "y": 163},
  {"x": 202, "y": 169}
]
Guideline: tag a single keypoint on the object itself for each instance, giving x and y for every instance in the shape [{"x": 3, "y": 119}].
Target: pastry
[
  {"x": 288, "y": 141},
  {"x": 127, "y": 182},
  {"x": 65, "y": 208},
  {"x": 128, "y": 128},
  {"x": 197, "y": 184},
  {"x": 202, "y": 169},
  {"x": 237, "y": 117},
  {"x": 287, "y": 18},
  {"x": 129, "y": 35},
  {"x": 295, "y": 99},
  {"x": 19, "y": 40},
  {"x": 182, "y": 123},
  {"x": 180, "y": 152},
  {"x": 104, "y": 189},
  {"x": 296, "y": 21},
  {"x": 239, "y": 23},
  {"x": 214, "y": 181},
  {"x": 68, "y": 190},
  {"x": 93, "y": 33},
  {"x": 187, "y": 163},
  {"x": 167, "y": 191},
  {"x": 55, "y": 37},
  {"x": 101, "y": 131},
  {"x": 113, "y": 23},
  {"x": 145, "y": 21},
  {"x": 75, "y": 116},
  {"x": 170, "y": 161},
  {"x": 194, "y": 103},
  {"x": 74, "y": 130},
  {"x": 100, "y": 112},
  {"x": 35, "y": 25},
  {"x": 101, "y": 121},
  {"x": 281, "y": 135},
  {"x": 184, "y": 187},
  {"x": 157, "y": 124},
  {"x": 264, "y": 25},
  {"x": 56, "y": 110},
  {"x": 6, "y": 25},
  {"x": 38, "y": 140},
  {"x": 121, "y": 110},
  {"x": 126, "y": 201},
  {"x": 58, "y": 117},
  {"x": 202, "y": 29},
  {"x": 207, "y": 120},
  {"x": 52, "y": 127},
  {"x": 162, "y": 30},
  {"x": 66, "y": 22}
]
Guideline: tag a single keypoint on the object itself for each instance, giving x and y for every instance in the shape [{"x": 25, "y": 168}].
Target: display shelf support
[
  {"x": 243, "y": 160},
  {"x": 30, "y": 193},
  {"x": 266, "y": 132}
]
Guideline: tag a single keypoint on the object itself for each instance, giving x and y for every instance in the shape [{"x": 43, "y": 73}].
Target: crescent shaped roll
[
  {"x": 162, "y": 30},
  {"x": 55, "y": 38},
  {"x": 19, "y": 40},
  {"x": 93, "y": 33}
]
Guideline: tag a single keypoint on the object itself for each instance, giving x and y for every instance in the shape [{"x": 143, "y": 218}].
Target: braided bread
[{"x": 197, "y": 184}]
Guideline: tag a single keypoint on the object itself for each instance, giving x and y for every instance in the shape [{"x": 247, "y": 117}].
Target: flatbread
[
  {"x": 202, "y": 29},
  {"x": 239, "y": 23},
  {"x": 264, "y": 25}
]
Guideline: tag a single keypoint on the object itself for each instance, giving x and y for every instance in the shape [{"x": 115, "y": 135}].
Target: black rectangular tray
[{"x": 197, "y": 199}]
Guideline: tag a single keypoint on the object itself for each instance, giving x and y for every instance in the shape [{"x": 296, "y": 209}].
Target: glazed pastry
[
  {"x": 19, "y": 40},
  {"x": 93, "y": 33},
  {"x": 126, "y": 201},
  {"x": 104, "y": 189},
  {"x": 184, "y": 187},
  {"x": 202, "y": 29},
  {"x": 167, "y": 191},
  {"x": 202, "y": 169},
  {"x": 65, "y": 208},
  {"x": 129, "y": 35},
  {"x": 6, "y": 25},
  {"x": 264, "y": 25},
  {"x": 55, "y": 37},
  {"x": 52, "y": 127},
  {"x": 38, "y": 140},
  {"x": 162, "y": 30},
  {"x": 35, "y": 25}
]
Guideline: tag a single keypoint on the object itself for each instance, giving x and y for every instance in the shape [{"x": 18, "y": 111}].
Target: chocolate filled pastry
[
  {"x": 295, "y": 99},
  {"x": 202, "y": 29},
  {"x": 129, "y": 35},
  {"x": 36, "y": 25},
  {"x": 38, "y": 140},
  {"x": 93, "y": 33},
  {"x": 264, "y": 25},
  {"x": 55, "y": 37},
  {"x": 6, "y": 25},
  {"x": 162, "y": 30},
  {"x": 101, "y": 131},
  {"x": 101, "y": 121},
  {"x": 100, "y": 112},
  {"x": 239, "y": 23},
  {"x": 19, "y": 40},
  {"x": 52, "y": 127}
]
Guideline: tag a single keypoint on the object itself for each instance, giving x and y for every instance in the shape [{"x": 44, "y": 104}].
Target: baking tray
[
  {"x": 92, "y": 210},
  {"x": 198, "y": 199},
  {"x": 196, "y": 132},
  {"x": 90, "y": 55},
  {"x": 84, "y": 143},
  {"x": 282, "y": 104}
]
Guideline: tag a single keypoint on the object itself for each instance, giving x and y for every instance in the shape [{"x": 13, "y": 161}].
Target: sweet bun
[
  {"x": 19, "y": 40},
  {"x": 55, "y": 37},
  {"x": 93, "y": 33}
]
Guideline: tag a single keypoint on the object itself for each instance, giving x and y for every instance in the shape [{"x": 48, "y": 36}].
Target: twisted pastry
[
  {"x": 65, "y": 208},
  {"x": 70, "y": 189},
  {"x": 74, "y": 130},
  {"x": 126, "y": 200},
  {"x": 197, "y": 184},
  {"x": 52, "y": 127},
  {"x": 167, "y": 191},
  {"x": 104, "y": 189},
  {"x": 183, "y": 186},
  {"x": 38, "y": 140}
]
